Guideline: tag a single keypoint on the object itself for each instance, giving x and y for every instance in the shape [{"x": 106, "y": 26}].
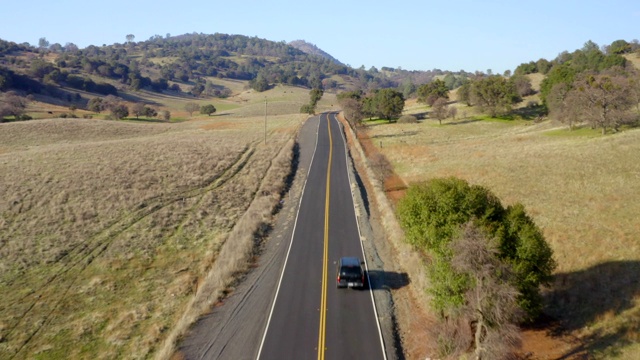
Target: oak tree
[
  {"x": 429, "y": 93},
  {"x": 605, "y": 100},
  {"x": 208, "y": 109},
  {"x": 494, "y": 94}
]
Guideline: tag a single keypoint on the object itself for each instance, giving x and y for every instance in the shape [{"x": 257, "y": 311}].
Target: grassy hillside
[
  {"x": 582, "y": 189},
  {"x": 109, "y": 229}
]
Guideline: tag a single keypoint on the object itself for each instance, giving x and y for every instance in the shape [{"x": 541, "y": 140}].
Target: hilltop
[
  {"x": 197, "y": 66},
  {"x": 312, "y": 50}
]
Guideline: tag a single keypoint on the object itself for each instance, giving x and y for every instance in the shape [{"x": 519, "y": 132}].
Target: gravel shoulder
[{"x": 234, "y": 327}]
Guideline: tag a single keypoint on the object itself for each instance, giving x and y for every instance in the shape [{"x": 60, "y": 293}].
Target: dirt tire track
[{"x": 105, "y": 237}]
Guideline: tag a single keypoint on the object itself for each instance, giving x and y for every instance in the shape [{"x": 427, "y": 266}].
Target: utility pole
[{"x": 265, "y": 120}]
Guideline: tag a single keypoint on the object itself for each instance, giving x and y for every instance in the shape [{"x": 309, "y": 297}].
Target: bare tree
[
  {"x": 110, "y": 102},
  {"x": 352, "y": 111},
  {"x": 191, "y": 107},
  {"x": 440, "y": 109},
  {"x": 522, "y": 85},
  {"x": 605, "y": 100},
  {"x": 490, "y": 308},
  {"x": 564, "y": 104},
  {"x": 12, "y": 104},
  {"x": 453, "y": 112},
  {"x": 138, "y": 109},
  {"x": 166, "y": 115},
  {"x": 381, "y": 165}
]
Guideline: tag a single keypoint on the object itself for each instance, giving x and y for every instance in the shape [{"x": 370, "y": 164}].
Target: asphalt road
[
  {"x": 311, "y": 317},
  {"x": 249, "y": 324}
]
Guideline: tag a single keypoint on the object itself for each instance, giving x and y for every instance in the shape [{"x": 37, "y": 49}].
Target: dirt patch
[
  {"x": 219, "y": 126},
  {"x": 539, "y": 344}
]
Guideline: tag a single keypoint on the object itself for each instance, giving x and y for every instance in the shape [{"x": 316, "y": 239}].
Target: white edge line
[
  {"x": 364, "y": 256},
  {"x": 275, "y": 298}
]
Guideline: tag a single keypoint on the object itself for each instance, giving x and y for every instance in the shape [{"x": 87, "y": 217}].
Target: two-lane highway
[{"x": 310, "y": 317}]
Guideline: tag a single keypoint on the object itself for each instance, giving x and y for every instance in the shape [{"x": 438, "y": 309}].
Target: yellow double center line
[{"x": 323, "y": 301}]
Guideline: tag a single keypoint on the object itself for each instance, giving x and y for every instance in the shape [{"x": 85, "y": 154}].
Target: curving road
[
  {"x": 311, "y": 318},
  {"x": 296, "y": 311}
]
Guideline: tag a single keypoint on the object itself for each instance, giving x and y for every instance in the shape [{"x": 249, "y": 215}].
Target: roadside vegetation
[
  {"x": 557, "y": 137},
  {"x": 486, "y": 263}
]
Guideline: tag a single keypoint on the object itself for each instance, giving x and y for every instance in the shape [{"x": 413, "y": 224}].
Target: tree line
[{"x": 381, "y": 103}]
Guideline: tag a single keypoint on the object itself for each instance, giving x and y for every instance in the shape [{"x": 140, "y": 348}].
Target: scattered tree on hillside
[
  {"x": 307, "y": 109},
  {"x": 453, "y": 81},
  {"x": 119, "y": 111},
  {"x": 453, "y": 112},
  {"x": 494, "y": 94},
  {"x": 429, "y": 93},
  {"x": 464, "y": 93},
  {"x": 191, "y": 107},
  {"x": 198, "y": 88},
  {"x": 149, "y": 112},
  {"x": 439, "y": 110},
  {"x": 39, "y": 68},
  {"x": 96, "y": 105},
  {"x": 70, "y": 47},
  {"x": 558, "y": 74},
  {"x": 208, "y": 109},
  {"x": 619, "y": 47},
  {"x": 260, "y": 83},
  {"x": 12, "y": 104},
  {"x": 562, "y": 105},
  {"x": 314, "y": 96},
  {"x": 166, "y": 115},
  {"x": 388, "y": 103},
  {"x": 110, "y": 102},
  {"x": 407, "y": 88},
  {"x": 605, "y": 99},
  {"x": 130, "y": 38},
  {"x": 137, "y": 109},
  {"x": 352, "y": 107},
  {"x": 522, "y": 85},
  {"x": 43, "y": 43}
]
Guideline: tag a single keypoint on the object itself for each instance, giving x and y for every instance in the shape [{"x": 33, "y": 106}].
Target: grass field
[
  {"x": 110, "y": 229},
  {"x": 581, "y": 188}
]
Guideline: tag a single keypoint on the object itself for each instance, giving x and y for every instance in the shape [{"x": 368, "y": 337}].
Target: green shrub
[{"x": 431, "y": 214}]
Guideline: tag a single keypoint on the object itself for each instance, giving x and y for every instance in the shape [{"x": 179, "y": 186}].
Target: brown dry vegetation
[
  {"x": 582, "y": 189},
  {"x": 110, "y": 230}
]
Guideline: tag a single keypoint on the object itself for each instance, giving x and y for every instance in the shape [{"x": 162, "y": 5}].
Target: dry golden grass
[
  {"x": 634, "y": 58},
  {"x": 109, "y": 229},
  {"x": 583, "y": 191}
]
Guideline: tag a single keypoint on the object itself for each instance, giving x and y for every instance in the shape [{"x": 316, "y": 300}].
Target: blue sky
[{"x": 415, "y": 35}]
